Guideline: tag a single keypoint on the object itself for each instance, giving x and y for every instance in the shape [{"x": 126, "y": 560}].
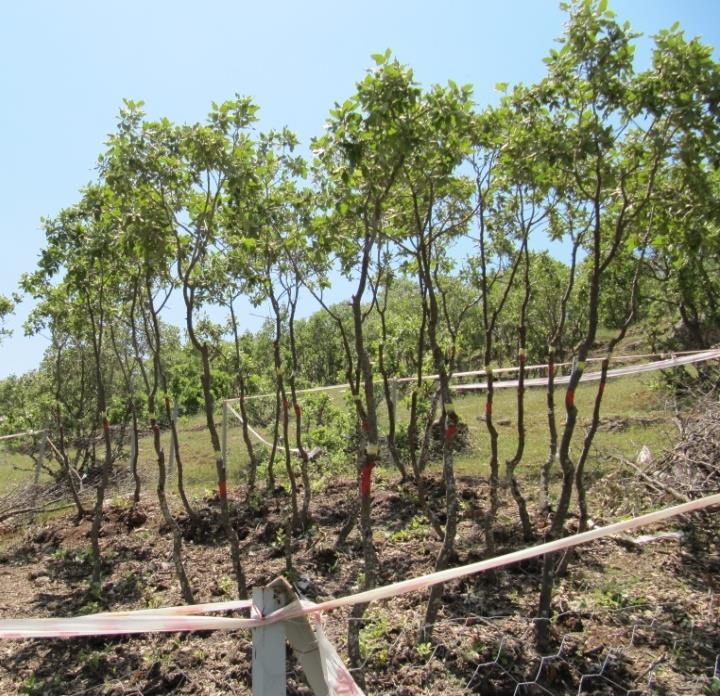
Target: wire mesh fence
[{"x": 633, "y": 651}]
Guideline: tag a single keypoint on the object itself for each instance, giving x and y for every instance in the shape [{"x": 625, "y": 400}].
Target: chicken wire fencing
[{"x": 633, "y": 651}]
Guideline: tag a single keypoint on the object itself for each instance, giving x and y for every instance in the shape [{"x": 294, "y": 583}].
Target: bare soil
[{"x": 629, "y": 618}]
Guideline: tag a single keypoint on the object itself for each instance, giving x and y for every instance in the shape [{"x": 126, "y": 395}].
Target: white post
[{"x": 268, "y": 655}]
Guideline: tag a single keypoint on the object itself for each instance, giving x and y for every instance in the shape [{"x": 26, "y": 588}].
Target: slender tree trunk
[
  {"x": 544, "y": 499},
  {"x": 240, "y": 379},
  {"x": 81, "y": 512},
  {"x": 512, "y": 464},
  {"x": 273, "y": 449},
  {"x": 169, "y": 519},
  {"x": 96, "y": 581},
  {"x": 490, "y": 318},
  {"x": 135, "y": 453},
  {"x": 368, "y": 452},
  {"x": 553, "y": 353},
  {"x": 209, "y": 404},
  {"x": 304, "y": 460},
  {"x": 590, "y": 434},
  {"x": 448, "y": 425},
  {"x": 280, "y": 377},
  {"x": 387, "y": 389},
  {"x": 252, "y": 472},
  {"x": 566, "y": 463},
  {"x": 192, "y": 515},
  {"x": 494, "y": 503},
  {"x": 155, "y": 342}
]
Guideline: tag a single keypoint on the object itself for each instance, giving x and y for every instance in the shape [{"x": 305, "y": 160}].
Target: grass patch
[{"x": 635, "y": 409}]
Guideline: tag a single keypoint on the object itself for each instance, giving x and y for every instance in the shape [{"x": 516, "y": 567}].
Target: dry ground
[{"x": 641, "y": 619}]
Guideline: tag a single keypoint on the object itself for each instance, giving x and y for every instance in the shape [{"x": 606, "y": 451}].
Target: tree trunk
[
  {"x": 178, "y": 460},
  {"x": 169, "y": 519}
]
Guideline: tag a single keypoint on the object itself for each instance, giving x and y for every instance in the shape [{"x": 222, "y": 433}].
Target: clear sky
[{"x": 67, "y": 65}]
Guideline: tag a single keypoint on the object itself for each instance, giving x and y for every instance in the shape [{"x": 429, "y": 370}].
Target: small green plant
[
  {"x": 60, "y": 554},
  {"x": 399, "y": 535},
  {"x": 614, "y": 596},
  {"x": 225, "y": 585},
  {"x": 279, "y": 542},
  {"x": 374, "y": 638},
  {"x": 131, "y": 583},
  {"x": 152, "y": 600},
  {"x": 417, "y": 527},
  {"x": 91, "y": 606},
  {"x": 713, "y": 688},
  {"x": 119, "y": 502},
  {"x": 32, "y": 687},
  {"x": 255, "y": 500},
  {"x": 424, "y": 650},
  {"x": 93, "y": 660}
]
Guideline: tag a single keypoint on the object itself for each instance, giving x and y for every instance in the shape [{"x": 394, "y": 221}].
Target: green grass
[
  {"x": 627, "y": 398},
  {"x": 17, "y": 469}
]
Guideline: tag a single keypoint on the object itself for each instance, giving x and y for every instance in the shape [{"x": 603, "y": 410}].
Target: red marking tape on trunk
[
  {"x": 366, "y": 478},
  {"x": 569, "y": 398}
]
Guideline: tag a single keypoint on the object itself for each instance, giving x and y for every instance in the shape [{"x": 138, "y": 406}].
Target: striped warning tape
[
  {"x": 667, "y": 355},
  {"x": 666, "y": 364},
  {"x": 25, "y": 434},
  {"x": 186, "y": 618}
]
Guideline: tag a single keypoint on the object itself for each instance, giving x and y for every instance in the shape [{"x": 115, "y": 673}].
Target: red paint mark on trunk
[
  {"x": 296, "y": 406},
  {"x": 450, "y": 430},
  {"x": 488, "y": 409},
  {"x": 365, "y": 426},
  {"x": 570, "y": 398},
  {"x": 366, "y": 477},
  {"x": 222, "y": 489}
]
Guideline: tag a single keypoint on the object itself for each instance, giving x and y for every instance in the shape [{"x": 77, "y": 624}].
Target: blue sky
[{"x": 66, "y": 66}]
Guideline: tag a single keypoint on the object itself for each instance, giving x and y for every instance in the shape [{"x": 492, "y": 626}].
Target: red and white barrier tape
[
  {"x": 257, "y": 435},
  {"x": 686, "y": 358},
  {"x": 25, "y": 434},
  {"x": 502, "y": 370},
  {"x": 594, "y": 376},
  {"x": 186, "y": 618}
]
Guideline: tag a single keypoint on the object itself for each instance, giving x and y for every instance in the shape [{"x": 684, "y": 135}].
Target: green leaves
[{"x": 381, "y": 58}]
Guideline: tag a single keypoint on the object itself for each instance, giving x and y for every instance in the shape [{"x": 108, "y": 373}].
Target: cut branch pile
[{"x": 692, "y": 466}]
